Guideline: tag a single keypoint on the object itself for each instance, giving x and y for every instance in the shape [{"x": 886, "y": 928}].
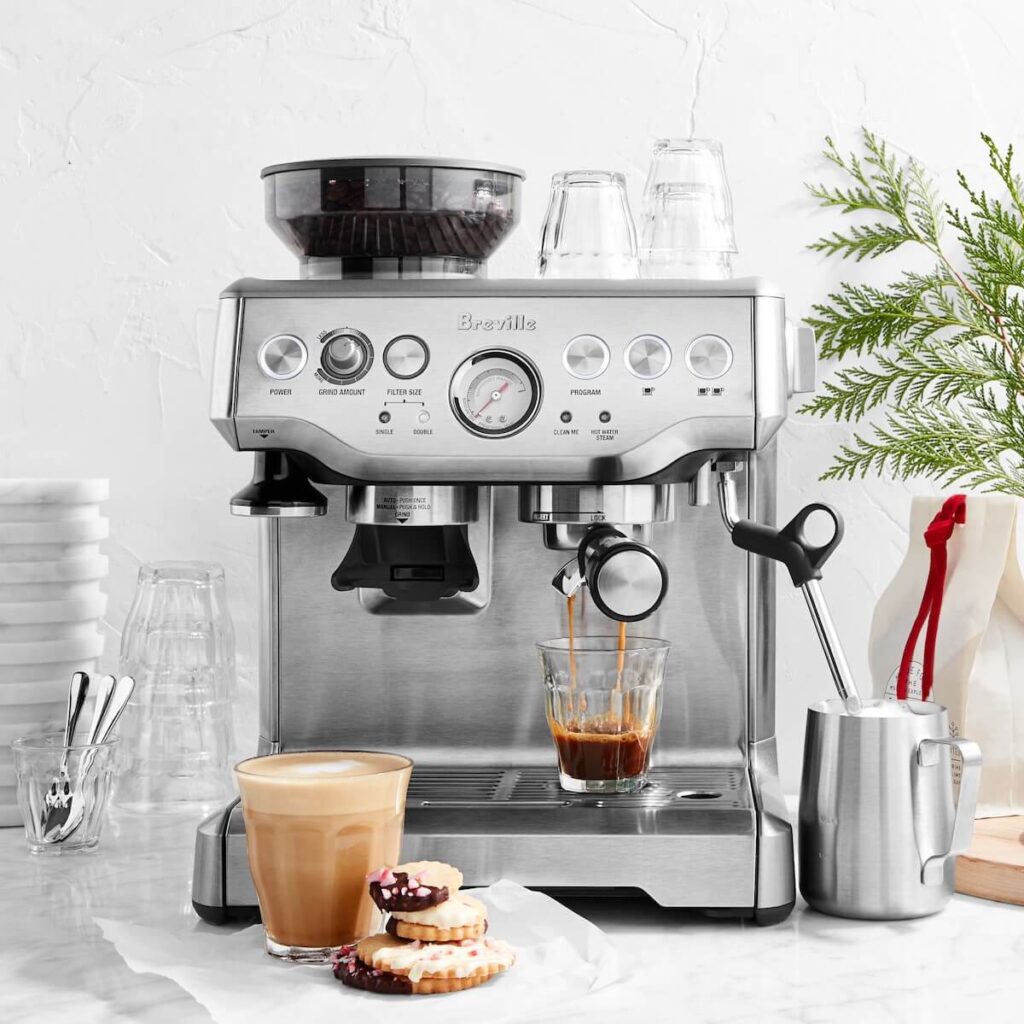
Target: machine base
[{"x": 693, "y": 838}]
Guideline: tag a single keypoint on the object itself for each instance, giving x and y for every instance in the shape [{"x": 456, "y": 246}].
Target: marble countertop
[{"x": 966, "y": 963}]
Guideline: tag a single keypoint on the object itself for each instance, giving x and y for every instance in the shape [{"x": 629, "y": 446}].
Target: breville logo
[{"x": 512, "y": 322}]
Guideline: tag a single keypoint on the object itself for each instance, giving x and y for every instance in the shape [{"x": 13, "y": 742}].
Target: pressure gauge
[{"x": 495, "y": 392}]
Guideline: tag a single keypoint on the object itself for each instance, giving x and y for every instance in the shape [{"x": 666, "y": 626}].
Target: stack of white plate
[{"x": 51, "y": 571}]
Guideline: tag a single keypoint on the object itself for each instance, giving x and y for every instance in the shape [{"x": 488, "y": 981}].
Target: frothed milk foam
[{"x": 316, "y": 823}]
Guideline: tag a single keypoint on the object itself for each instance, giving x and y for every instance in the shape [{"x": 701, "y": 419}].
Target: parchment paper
[{"x": 561, "y": 959}]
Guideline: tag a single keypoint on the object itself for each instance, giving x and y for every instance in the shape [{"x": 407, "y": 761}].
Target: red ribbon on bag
[{"x": 953, "y": 513}]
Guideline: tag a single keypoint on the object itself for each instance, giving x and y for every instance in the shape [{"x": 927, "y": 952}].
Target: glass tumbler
[
  {"x": 316, "y": 823},
  {"x": 90, "y": 769},
  {"x": 179, "y": 644},
  {"x": 682, "y": 236},
  {"x": 686, "y": 222},
  {"x": 588, "y": 231},
  {"x": 603, "y": 708}
]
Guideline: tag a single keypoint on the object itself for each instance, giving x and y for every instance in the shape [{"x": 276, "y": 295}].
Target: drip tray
[{"x": 704, "y": 788}]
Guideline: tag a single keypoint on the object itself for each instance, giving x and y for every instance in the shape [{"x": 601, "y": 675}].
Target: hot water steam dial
[{"x": 495, "y": 392}]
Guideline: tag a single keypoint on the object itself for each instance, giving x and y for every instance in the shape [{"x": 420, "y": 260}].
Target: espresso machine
[{"x": 432, "y": 449}]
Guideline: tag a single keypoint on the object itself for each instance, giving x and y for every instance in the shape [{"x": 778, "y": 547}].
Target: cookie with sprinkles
[
  {"x": 460, "y": 917},
  {"x": 430, "y": 968},
  {"x": 414, "y": 886}
]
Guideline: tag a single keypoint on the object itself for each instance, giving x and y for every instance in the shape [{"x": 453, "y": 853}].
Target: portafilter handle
[
  {"x": 625, "y": 577},
  {"x": 804, "y": 560}
]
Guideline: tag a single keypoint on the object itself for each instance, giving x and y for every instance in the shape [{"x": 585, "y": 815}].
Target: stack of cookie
[{"x": 434, "y": 938}]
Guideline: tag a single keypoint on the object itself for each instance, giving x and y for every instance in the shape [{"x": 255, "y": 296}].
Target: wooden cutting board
[{"x": 993, "y": 868}]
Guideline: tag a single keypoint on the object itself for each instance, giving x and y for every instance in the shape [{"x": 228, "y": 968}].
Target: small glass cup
[
  {"x": 178, "y": 644},
  {"x": 90, "y": 770},
  {"x": 316, "y": 823},
  {"x": 686, "y": 221},
  {"x": 588, "y": 231},
  {"x": 603, "y": 708},
  {"x": 682, "y": 236},
  {"x": 692, "y": 162}
]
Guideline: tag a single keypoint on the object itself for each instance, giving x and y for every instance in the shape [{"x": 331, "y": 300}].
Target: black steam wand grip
[
  {"x": 804, "y": 561},
  {"x": 790, "y": 544}
]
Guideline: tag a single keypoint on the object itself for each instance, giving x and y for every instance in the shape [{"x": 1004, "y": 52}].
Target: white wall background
[{"x": 132, "y": 133}]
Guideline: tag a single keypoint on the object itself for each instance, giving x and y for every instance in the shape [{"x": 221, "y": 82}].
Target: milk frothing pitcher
[{"x": 880, "y": 826}]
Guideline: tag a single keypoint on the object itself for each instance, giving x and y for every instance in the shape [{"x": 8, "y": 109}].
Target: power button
[{"x": 282, "y": 357}]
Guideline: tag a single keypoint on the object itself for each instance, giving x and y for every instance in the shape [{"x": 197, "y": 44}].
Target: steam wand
[{"x": 803, "y": 560}]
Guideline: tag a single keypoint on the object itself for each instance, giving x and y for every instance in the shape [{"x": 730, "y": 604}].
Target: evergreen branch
[
  {"x": 941, "y": 374},
  {"x": 936, "y": 444},
  {"x": 943, "y": 350},
  {"x": 861, "y": 318}
]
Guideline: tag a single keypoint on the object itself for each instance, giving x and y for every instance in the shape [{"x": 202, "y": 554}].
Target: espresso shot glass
[{"x": 603, "y": 708}]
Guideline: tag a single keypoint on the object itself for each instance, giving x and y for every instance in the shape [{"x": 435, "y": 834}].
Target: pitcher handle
[{"x": 933, "y": 870}]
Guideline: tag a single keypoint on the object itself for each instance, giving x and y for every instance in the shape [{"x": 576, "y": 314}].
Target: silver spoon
[
  {"x": 102, "y": 726},
  {"x": 56, "y": 802}
]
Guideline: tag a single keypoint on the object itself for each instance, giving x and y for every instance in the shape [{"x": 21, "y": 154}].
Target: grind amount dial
[
  {"x": 495, "y": 392},
  {"x": 345, "y": 356}
]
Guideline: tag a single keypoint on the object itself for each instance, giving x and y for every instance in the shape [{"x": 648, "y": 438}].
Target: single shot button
[{"x": 648, "y": 356}]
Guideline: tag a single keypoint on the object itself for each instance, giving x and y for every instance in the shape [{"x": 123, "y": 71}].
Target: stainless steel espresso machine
[{"x": 431, "y": 448}]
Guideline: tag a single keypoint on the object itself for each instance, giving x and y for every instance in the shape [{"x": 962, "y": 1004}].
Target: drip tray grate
[{"x": 538, "y": 787}]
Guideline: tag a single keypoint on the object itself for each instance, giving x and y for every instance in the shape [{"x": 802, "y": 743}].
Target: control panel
[{"x": 531, "y": 380}]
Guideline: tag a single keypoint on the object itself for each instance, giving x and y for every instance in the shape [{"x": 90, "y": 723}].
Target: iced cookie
[
  {"x": 415, "y": 886},
  {"x": 351, "y": 971},
  {"x": 460, "y": 917},
  {"x": 426, "y": 967}
]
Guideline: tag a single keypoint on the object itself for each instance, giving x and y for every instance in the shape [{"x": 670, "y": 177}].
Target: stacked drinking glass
[
  {"x": 686, "y": 228},
  {"x": 51, "y": 604},
  {"x": 179, "y": 646}
]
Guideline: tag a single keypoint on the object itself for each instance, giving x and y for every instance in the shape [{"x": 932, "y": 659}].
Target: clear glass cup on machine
[
  {"x": 177, "y": 732},
  {"x": 603, "y": 707},
  {"x": 686, "y": 223},
  {"x": 588, "y": 231},
  {"x": 316, "y": 823},
  {"x": 683, "y": 237}
]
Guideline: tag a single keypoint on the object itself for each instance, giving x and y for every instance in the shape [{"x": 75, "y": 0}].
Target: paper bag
[{"x": 979, "y": 644}]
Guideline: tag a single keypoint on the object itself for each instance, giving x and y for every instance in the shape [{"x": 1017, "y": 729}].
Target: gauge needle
[{"x": 495, "y": 395}]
